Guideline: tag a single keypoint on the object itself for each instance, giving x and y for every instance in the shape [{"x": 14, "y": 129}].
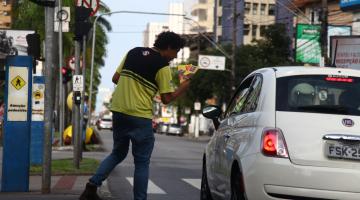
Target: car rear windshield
[
  {"x": 318, "y": 94},
  {"x": 106, "y": 119}
]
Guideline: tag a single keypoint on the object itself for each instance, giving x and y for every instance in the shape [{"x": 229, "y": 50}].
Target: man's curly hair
[{"x": 169, "y": 39}]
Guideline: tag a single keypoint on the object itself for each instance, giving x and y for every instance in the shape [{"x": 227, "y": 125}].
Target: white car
[
  {"x": 104, "y": 122},
  {"x": 288, "y": 133}
]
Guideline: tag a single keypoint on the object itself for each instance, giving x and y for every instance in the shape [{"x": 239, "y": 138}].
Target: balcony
[{"x": 200, "y": 6}]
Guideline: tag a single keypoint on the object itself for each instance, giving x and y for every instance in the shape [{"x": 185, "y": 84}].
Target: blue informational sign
[
  {"x": 37, "y": 120},
  {"x": 349, "y": 4},
  {"x": 16, "y": 138}
]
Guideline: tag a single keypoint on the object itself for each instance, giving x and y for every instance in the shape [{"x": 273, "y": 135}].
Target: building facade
[
  {"x": 5, "y": 14},
  {"x": 252, "y": 18}
]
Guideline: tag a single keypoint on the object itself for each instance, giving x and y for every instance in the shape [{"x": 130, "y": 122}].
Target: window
[
  {"x": 202, "y": 1},
  {"x": 262, "y": 30},
  {"x": 238, "y": 100},
  {"x": 255, "y": 9},
  {"x": 220, "y": 2},
  {"x": 219, "y": 21},
  {"x": 271, "y": 9},
  {"x": 254, "y": 31},
  {"x": 262, "y": 9},
  {"x": 246, "y": 29},
  {"x": 317, "y": 94},
  {"x": 202, "y": 15},
  {"x": 247, "y": 7},
  {"x": 253, "y": 96}
]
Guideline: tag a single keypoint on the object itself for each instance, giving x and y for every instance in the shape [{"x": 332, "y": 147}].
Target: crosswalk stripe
[
  {"x": 152, "y": 188},
  {"x": 194, "y": 182}
]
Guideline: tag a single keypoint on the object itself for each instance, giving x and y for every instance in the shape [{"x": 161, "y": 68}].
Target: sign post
[{"x": 16, "y": 156}]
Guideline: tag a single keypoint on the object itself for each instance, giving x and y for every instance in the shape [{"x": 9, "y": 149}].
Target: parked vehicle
[
  {"x": 162, "y": 128},
  {"x": 104, "y": 122},
  {"x": 175, "y": 129},
  {"x": 288, "y": 133}
]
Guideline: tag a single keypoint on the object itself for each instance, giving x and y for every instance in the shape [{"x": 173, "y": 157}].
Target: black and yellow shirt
[{"x": 143, "y": 73}]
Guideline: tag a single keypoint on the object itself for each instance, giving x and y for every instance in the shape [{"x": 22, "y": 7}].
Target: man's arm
[
  {"x": 115, "y": 78},
  {"x": 169, "y": 97}
]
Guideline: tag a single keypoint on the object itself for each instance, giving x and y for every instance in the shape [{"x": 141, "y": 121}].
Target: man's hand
[{"x": 169, "y": 97}]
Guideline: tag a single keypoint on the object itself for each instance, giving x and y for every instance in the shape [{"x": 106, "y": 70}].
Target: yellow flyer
[{"x": 186, "y": 71}]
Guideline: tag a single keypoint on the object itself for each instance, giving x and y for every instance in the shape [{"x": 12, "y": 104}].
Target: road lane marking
[
  {"x": 152, "y": 188},
  {"x": 194, "y": 182}
]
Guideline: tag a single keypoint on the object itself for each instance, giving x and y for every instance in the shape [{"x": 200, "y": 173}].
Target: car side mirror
[{"x": 212, "y": 112}]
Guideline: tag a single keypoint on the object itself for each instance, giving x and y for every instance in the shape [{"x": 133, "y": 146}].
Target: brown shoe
[{"x": 90, "y": 193}]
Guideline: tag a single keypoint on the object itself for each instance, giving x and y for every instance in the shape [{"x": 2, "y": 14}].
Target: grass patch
[{"x": 66, "y": 167}]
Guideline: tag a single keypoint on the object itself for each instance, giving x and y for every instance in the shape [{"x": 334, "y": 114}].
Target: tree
[{"x": 273, "y": 50}]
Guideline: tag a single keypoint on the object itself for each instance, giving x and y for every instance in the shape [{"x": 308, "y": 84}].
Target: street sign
[
  {"x": 78, "y": 85},
  {"x": 93, "y": 4},
  {"x": 64, "y": 16},
  {"x": 211, "y": 62}
]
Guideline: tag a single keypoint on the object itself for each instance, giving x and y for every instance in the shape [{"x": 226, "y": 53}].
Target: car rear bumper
[
  {"x": 103, "y": 126},
  {"x": 278, "y": 178}
]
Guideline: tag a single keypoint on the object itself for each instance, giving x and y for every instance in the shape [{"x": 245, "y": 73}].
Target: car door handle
[{"x": 227, "y": 135}]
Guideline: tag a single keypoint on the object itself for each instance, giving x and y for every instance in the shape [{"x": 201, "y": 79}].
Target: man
[{"x": 141, "y": 74}]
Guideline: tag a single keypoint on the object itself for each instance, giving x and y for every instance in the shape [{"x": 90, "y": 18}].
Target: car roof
[{"x": 304, "y": 70}]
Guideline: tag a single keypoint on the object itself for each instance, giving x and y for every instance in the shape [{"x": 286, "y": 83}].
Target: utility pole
[
  {"x": 234, "y": 41},
  {"x": 49, "y": 98},
  {"x": 324, "y": 33},
  {"x": 76, "y": 111},
  {"x": 215, "y": 20},
  {"x": 61, "y": 86},
  {"x": 83, "y": 96}
]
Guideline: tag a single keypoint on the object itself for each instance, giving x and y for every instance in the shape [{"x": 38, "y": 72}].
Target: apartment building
[
  {"x": 253, "y": 17},
  {"x": 203, "y": 10},
  {"x": 175, "y": 23},
  {"x": 5, "y": 14}
]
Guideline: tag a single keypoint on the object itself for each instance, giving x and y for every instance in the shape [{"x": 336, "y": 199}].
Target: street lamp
[{"x": 138, "y": 12}]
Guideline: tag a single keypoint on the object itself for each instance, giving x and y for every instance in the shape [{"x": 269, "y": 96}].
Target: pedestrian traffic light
[
  {"x": 82, "y": 22},
  {"x": 66, "y": 74},
  {"x": 33, "y": 49}
]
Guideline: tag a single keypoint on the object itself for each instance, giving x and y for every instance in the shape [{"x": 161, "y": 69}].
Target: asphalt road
[{"x": 175, "y": 169}]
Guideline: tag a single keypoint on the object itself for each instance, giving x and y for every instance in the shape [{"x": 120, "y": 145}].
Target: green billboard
[{"x": 308, "y": 43}]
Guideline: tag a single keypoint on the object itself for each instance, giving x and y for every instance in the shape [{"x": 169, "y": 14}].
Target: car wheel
[
  {"x": 205, "y": 190},
  {"x": 237, "y": 186}
]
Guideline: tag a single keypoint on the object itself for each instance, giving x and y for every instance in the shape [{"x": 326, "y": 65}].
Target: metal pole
[
  {"x": 324, "y": 35},
  {"x": 61, "y": 88},
  {"x": 76, "y": 112},
  {"x": 49, "y": 99},
  {"x": 93, "y": 46},
  {"x": 83, "y": 95},
  {"x": 215, "y": 20},
  {"x": 233, "y": 60}
]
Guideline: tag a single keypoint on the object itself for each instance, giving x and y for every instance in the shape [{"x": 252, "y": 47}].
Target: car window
[
  {"x": 253, "y": 97},
  {"x": 238, "y": 100},
  {"x": 318, "y": 94}
]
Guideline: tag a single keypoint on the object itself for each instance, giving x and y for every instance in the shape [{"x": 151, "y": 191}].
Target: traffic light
[
  {"x": 33, "y": 49},
  {"x": 82, "y": 22},
  {"x": 66, "y": 74}
]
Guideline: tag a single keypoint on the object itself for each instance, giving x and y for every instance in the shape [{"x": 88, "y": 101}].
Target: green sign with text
[{"x": 308, "y": 44}]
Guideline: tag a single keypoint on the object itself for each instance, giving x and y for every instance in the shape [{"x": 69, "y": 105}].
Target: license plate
[{"x": 337, "y": 150}]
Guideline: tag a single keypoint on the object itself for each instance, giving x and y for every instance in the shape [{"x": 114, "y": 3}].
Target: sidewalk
[{"x": 62, "y": 187}]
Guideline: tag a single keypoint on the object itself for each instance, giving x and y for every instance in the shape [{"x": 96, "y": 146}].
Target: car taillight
[
  {"x": 273, "y": 143},
  {"x": 339, "y": 79}
]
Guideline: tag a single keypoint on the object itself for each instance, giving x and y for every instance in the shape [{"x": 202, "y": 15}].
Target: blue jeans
[{"x": 139, "y": 131}]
